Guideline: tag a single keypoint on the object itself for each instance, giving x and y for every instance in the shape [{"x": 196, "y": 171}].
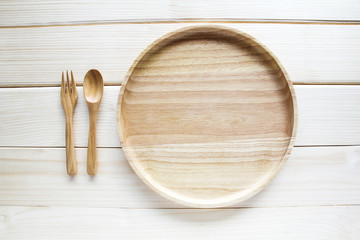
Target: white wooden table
[{"x": 315, "y": 196}]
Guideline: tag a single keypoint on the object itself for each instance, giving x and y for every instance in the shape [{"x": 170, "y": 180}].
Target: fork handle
[{"x": 70, "y": 151}]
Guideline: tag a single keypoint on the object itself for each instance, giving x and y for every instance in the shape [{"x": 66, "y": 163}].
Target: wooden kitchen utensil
[
  {"x": 69, "y": 98},
  {"x": 207, "y": 116},
  {"x": 93, "y": 91}
]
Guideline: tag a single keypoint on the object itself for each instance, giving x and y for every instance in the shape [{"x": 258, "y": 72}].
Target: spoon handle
[
  {"x": 92, "y": 163},
  {"x": 70, "y": 151}
]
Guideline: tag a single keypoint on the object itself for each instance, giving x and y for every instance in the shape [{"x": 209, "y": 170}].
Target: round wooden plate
[{"x": 207, "y": 116}]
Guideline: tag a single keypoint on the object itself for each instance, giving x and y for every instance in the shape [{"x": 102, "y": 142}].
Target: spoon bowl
[{"x": 93, "y": 86}]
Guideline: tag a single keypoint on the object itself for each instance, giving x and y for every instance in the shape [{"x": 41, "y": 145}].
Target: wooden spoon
[{"x": 93, "y": 91}]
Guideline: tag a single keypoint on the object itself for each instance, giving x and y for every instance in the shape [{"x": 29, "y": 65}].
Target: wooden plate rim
[{"x": 252, "y": 191}]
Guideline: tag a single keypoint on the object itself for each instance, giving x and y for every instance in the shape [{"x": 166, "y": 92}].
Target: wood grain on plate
[{"x": 206, "y": 116}]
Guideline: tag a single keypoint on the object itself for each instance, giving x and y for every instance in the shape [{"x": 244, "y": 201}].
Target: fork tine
[
  {"x": 62, "y": 83},
  {"x": 73, "y": 84},
  {"x": 68, "y": 81}
]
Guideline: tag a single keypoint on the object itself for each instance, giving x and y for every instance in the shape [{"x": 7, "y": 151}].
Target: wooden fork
[{"x": 69, "y": 98}]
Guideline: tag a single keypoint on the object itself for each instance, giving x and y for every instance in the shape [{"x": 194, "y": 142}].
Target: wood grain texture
[
  {"x": 312, "y": 176},
  {"x": 331, "y": 223},
  {"x": 207, "y": 116},
  {"x": 328, "y": 115},
  {"x": 32, "y": 12},
  {"x": 310, "y": 53}
]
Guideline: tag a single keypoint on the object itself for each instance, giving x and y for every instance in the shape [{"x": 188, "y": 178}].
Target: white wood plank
[
  {"x": 248, "y": 223},
  {"x": 35, "y": 117},
  {"x": 37, "y": 177},
  {"x": 36, "y": 56},
  {"x": 34, "y": 12},
  {"x": 328, "y": 115}
]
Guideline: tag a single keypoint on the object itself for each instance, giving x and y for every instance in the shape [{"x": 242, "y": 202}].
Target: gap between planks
[
  {"x": 82, "y": 147},
  {"x": 190, "y": 20},
  {"x": 186, "y": 208},
  {"x": 116, "y": 85}
]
